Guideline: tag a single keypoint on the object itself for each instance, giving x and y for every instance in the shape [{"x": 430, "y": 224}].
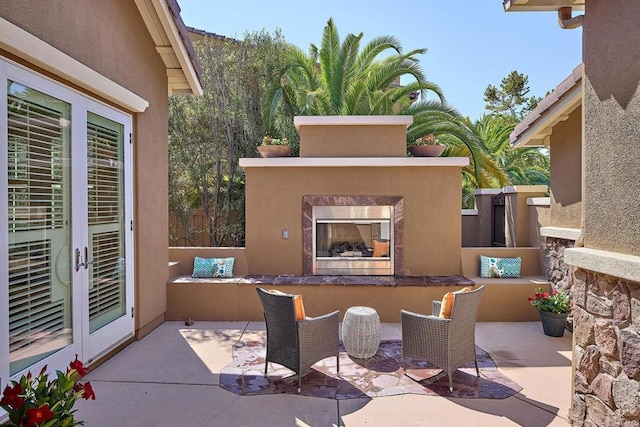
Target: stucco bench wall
[
  {"x": 505, "y": 300},
  {"x": 235, "y": 299}
]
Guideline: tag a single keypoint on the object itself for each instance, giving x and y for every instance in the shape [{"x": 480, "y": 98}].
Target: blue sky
[{"x": 470, "y": 43}]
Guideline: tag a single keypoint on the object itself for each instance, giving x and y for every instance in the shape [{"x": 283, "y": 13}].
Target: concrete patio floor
[{"x": 171, "y": 377}]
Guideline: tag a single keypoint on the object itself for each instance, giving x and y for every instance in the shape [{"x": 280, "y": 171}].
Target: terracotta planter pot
[
  {"x": 427, "y": 150},
  {"x": 553, "y": 324},
  {"x": 274, "y": 150}
]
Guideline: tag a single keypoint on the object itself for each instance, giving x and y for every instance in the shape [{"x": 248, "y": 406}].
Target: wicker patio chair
[
  {"x": 297, "y": 344},
  {"x": 447, "y": 343}
]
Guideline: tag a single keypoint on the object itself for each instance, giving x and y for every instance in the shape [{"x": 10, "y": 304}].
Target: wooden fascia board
[
  {"x": 543, "y": 126},
  {"x": 541, "y": 5},
  {"x": 165, "y": 34}
]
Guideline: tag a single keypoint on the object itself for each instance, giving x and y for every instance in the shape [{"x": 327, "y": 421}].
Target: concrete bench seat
[{"x": 235, "y": 299}]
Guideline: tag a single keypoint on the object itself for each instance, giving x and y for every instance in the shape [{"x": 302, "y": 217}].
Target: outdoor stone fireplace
[
  {"x": 352, "y": 193},
  {"x": 352, "y": 235}
]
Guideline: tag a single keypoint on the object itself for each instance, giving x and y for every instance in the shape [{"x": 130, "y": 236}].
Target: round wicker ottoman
[{"x": 361, "y": 332}]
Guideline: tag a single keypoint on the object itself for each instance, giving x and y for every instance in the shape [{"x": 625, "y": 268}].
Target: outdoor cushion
[
  {"x": 447, "y": 302},
  {"x": 380, "y": 248},
  {"x": 213, "y": 267},
  {"x": 500, "y": 267},
  {"x": 298, "y": 305}
]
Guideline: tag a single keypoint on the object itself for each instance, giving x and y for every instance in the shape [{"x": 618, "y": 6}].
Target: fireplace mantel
[{"x": 351, "y": 162}]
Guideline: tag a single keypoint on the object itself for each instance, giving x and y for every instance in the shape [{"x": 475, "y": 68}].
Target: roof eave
[
  {"x": 535, "y": 129},
  {"x": 162, "y": 19},
  {"x": 541, "y": 5}
]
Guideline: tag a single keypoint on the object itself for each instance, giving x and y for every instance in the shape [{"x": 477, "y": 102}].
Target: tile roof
[{"x": 547, "y": 107}]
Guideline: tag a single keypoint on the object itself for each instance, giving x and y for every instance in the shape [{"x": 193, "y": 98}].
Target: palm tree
[
  {"x": 340, "y": 79},
  {"x": 523, "y": 165}
]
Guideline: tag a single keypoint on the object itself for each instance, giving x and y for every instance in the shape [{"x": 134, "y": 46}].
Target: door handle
[
  {"x": 86, "y": 258},
  {"x": 78, "y": 264}
]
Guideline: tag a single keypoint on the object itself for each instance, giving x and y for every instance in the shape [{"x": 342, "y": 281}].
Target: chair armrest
[
  {"x": 435, "y": 307},
  {"x": 424, "y": 325},
  {"x": 322, "y": 328},
  {"x": 324, "y": 319},
  {"x": 318, "y": 338}
]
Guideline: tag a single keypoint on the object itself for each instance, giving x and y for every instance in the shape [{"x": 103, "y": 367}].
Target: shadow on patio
[{"x": 172, "y": 377}]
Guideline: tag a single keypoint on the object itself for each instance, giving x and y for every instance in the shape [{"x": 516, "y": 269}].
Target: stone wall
[
  {"x": 558, "y": 272},
  {"x": 607, "y": 351}
]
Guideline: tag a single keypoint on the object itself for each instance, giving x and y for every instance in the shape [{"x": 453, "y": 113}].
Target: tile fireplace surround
[{"x": 308, "y": 202}]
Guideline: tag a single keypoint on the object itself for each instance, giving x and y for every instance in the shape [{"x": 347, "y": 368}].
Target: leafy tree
[
  {"x": 208, "y": 134},
  {"x": 511, "y": 98}
]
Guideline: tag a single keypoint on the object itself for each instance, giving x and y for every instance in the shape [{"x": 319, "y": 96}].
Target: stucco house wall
[
  {"x": 566, "y": 172},
  {"x": 612, "y": 126},
  {"x": 431, "y": 240},
  {"x": 116, "y": 43}
]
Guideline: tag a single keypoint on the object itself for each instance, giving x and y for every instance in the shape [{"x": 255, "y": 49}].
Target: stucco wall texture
[
  {"x": 612, "y": 125},
  {"x": 432, "y": 224},
  {"x": 566, "y": 172},
  {"x": 111, "y": 38}
]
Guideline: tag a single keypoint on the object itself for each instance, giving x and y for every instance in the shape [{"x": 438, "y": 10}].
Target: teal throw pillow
[
  {"x": 500, "y": 267},
  {"x": 212, "y": 267}
]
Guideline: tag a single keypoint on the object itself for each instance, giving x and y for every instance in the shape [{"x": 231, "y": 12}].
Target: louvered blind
[
  {"x": 104, "y": 148},
  {"x": 105, "y": 203},
  {"x": 35, "y": 157},
  {"x": 39, "y": 314},
  {"x": 106, "y": 296},
  {"x": 33, "y": 311}
]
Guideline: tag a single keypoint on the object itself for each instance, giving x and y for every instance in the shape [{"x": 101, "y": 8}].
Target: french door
[{"x": 65, "y": 216}]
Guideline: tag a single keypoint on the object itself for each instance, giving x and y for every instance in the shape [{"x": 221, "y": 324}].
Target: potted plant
[
  {"x": 553, "y": 308},
  {"x": 426, "y": 146},
  {"x": 38, "y": 401},
  {"x": 274, "y": 147}
]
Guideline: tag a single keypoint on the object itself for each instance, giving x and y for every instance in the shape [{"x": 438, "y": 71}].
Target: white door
[{"x": 66, "y": 243}]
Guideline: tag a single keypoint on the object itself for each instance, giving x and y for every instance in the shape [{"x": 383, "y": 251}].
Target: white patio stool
[{"x": 361, "y": 332}]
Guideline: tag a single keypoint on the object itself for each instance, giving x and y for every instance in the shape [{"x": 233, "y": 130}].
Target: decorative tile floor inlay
[{"x": 380, "y": 375}]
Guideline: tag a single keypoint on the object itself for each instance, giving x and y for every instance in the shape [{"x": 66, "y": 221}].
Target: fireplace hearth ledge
[
  {"x": 390, "y": 281},
  {"x": 351, "y": 162}
]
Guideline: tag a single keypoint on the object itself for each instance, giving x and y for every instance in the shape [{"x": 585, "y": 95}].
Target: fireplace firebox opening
[
  {"x": 352, "y": 235},
  {"x": 353, "y": 240}
]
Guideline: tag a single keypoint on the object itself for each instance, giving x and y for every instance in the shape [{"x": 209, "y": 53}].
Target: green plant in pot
[
  {"x": 553, "y": 307},
  {"x": 274, "y": 147},
  {"x": 426, "y": 146}
]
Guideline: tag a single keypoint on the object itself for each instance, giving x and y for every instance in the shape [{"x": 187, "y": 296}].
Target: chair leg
[
  {"x": 477, "y": 369},
  {"x": 450, "y": 382},
  {"x": 266, "y": 366},
  {"x": 338, "y": 364},
  {"x": 299, "y": 382}
]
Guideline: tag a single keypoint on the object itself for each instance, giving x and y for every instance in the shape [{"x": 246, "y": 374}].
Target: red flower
[
  {"x": 78, "y": 366},
  {"x": 11, "y": 397},
  {"x": 88, "y": 392},
  {"x": 39, "y": 415}
]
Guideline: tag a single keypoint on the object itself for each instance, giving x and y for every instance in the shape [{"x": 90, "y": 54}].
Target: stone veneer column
[
  {"x": 607, "y": 350},
  {"x": 558, "y": 272}
]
